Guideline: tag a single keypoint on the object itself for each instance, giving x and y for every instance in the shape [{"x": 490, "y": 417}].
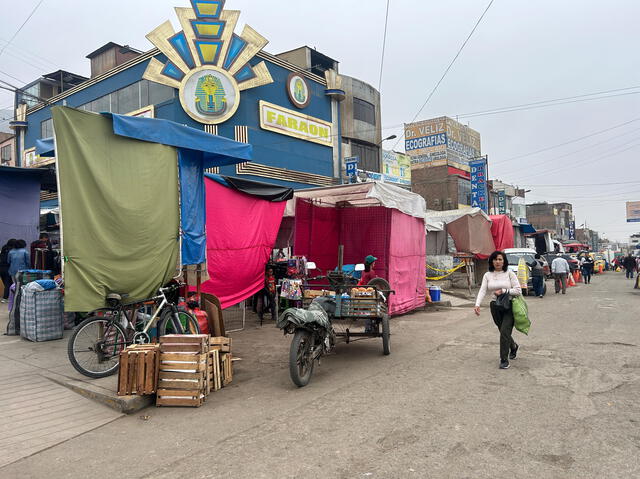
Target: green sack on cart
[{"x": 520, "y": 314}]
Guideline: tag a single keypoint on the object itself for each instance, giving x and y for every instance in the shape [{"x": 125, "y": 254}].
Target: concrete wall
[{"x": 436, "y": 186}]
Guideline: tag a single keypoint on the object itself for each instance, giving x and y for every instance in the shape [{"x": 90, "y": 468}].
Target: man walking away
[
  {"x": 537, "y": 276},
  {"x": 560, "y": 269},
  {"x": 629, "y": 264},
  {"x": 586, "y": 267}
]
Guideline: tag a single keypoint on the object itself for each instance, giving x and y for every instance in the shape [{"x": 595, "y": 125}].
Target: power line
[
  {"x": 555, "y": 104},
  {"x": 583, "y": 184},
  {"x": 590, "y": 147},
  {"x": 384, "y": 44},
  {"x": 27, "y": 52},
  {"x": 566, "y": 142},
  {"x": 21, "y": 26},
  {"x": 522, "y": 106},
  {"x": 11, "y": 76},
  {"x": 449, "y": 67}
]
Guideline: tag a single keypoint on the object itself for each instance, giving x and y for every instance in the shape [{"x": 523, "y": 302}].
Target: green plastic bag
[{"x": 520, "y": 314}]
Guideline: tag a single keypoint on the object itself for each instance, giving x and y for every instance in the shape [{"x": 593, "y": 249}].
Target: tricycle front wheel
[
  {"x": 386, "y": 333},
  {"x": 300, "y": 358}
]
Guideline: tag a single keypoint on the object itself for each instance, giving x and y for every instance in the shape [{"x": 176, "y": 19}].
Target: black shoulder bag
[{"x": 503, "y": 302}]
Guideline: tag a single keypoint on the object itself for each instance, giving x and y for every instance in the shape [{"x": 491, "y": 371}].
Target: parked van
[{"x": 529, "y": 255}]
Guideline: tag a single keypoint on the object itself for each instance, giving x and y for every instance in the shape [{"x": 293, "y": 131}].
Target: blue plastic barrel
[{"x": 434, "y": 292}]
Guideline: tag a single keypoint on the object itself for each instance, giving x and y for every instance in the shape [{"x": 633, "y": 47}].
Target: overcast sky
[{"x": 522, "y": 52}]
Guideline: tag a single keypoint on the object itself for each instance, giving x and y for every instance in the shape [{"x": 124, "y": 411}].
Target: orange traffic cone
[
  {"x": 577, "y": 277},
  {"x": 570, "y": 280}
]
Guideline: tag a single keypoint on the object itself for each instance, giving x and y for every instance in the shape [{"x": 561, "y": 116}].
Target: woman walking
[{"x": 499, "y": 280}]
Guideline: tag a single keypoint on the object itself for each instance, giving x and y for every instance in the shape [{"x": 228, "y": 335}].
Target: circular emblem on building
[
  {"x": 298, "y": 90},
  {"x": 209, "y": 95}
]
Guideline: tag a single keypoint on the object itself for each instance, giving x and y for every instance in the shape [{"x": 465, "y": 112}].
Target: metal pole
[{"x": 340, "y": 257}]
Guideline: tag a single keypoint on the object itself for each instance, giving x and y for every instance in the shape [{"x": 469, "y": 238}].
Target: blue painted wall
[{"x": 269, "y": 148}]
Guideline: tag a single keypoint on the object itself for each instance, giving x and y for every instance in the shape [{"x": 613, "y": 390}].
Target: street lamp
[{"x": 392, "y": 137}]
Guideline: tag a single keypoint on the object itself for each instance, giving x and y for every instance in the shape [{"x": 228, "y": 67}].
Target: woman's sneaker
[
  {"x": 514, "y": 352},
  {"x": 504, "y": 364}
]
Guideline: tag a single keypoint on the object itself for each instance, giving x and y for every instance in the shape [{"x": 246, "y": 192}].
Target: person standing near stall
[
  {"x": 499, "y": 281},
  {"x": 368, "y": 273},
  {"x": 586, "y": 268},
  {"x": 18, "y": 259},
  {"x": 7, "y": 281},
  {"x": 537, "y": 276}
]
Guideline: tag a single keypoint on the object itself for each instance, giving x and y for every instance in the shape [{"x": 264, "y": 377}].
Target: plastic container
[{"x": 435, "y": 292}]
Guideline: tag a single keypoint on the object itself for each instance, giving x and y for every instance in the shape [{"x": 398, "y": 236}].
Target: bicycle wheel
[
  {"x": 188, "y": 322},
  {"x": 95, "y": 346}
]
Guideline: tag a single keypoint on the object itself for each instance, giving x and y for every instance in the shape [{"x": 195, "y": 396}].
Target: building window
[
  {"x": 464, "y": 192},
  {"x": 5, "y": 155},
  {"x": 364, "y": 111},
  {"x": 368, "y": 156},
  {"x": 131, "y": 98},
  {"x": 46, "y": 128}
]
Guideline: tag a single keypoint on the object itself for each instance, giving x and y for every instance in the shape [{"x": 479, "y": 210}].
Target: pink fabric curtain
[
  {"x": 241, "y": 232},
  {"x": 407, "y": 262}
]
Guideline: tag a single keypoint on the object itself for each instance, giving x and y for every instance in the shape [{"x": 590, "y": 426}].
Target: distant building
[
  {"x": 589, "y": 237},
  {"x": 7, "y": 149},
  {"x": 440, "y": 151},
  {"x": 634, "y": 240},
  {"x": 556, "y": 217}
]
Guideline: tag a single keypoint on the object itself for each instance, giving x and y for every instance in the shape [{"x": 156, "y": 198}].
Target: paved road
[{"x": 437, "y": 407}]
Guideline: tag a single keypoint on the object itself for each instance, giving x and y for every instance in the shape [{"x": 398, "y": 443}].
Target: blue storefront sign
[
  {"x": 502, "y": 203},
  {"x": 572, "y": 230},
  {"x": 479, "y": 196},
  {"x": 351, "y": 165}
]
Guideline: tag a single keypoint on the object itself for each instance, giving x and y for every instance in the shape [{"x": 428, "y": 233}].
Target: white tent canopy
[
  {"x": 362, "y": 194},
  {"x": 438, "y": 220}
]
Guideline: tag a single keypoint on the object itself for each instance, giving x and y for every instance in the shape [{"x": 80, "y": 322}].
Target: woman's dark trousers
[
  {"x": 6, "y": 280},
  {"x": 504, "y": 322}
]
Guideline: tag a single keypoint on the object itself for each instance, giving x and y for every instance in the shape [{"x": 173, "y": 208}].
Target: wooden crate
[
  {"x": 215, "y": 376},
  {"x": 183, "y": 378},
  {"x": 138, "y": 371},
  {"x": 184, "y": 343},
  {"x": 221, "y": 343},
  {"x": 226, "y": 368}
]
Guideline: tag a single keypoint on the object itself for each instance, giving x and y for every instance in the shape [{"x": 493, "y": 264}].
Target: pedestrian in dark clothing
[
  {"x": 629, "y": 264},
  {"x": 537, "y": 276},
  {"x": 586, "y": 268},
  {"x": 4, "y": 268}
]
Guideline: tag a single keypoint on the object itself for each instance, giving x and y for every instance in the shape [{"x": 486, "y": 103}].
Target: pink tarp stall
[
  {"x": 370, "y": 218},
  {"x": 241, "y": 232}
]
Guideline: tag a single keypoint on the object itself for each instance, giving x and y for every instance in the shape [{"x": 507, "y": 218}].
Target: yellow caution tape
[{"x": 449, "y": 272}]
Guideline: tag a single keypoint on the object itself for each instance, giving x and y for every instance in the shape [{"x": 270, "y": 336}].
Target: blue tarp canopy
[
  {"x": 527, "y": 228},
  {"x": 197, "y": 150},
  {"x": 20, "y": 200},
  {"x": 45, "y": 147}
]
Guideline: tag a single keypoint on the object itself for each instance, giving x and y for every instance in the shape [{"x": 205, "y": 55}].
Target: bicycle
[{"x": 95, "y": 345}]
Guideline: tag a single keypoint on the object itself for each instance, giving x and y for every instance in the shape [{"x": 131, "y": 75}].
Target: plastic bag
[{"x": 520, "y": 314}]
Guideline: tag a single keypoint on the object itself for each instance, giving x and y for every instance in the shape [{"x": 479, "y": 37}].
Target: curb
[{"x": 123, "y": 404}]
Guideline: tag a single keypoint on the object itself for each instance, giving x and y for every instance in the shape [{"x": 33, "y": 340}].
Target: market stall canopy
[
  {"x": 363, "y": 194},
  {"x": 20, "y": 200},
  {"x": 527, "y": 228},
  {"x": 470, "y": 228},
  {"x": 502, "y": 232},
  {"x": 124, "y": 205},
  {"x": 243, "y": 219}
]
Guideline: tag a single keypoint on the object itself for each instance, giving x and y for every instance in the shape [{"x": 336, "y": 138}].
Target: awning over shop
[
  {"x": 124, "y": 207},
  {"x": 470, "y": 228},
  {"x": 45, "y": 147},
  {"x": 361, "y": 195},
  {"x": 20, "y": 200}
]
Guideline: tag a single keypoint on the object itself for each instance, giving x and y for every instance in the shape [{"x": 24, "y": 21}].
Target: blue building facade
[{"x": 290, "y": 116}]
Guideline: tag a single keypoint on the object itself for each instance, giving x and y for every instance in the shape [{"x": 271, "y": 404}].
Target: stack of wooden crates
[{"x": 181, "y": 370}]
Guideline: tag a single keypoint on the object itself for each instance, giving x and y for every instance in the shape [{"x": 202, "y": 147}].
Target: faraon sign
[{"x": 292, "y": 123}]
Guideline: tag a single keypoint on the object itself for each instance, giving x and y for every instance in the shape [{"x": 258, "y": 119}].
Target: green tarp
[{"x": 119, "y": 208}]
